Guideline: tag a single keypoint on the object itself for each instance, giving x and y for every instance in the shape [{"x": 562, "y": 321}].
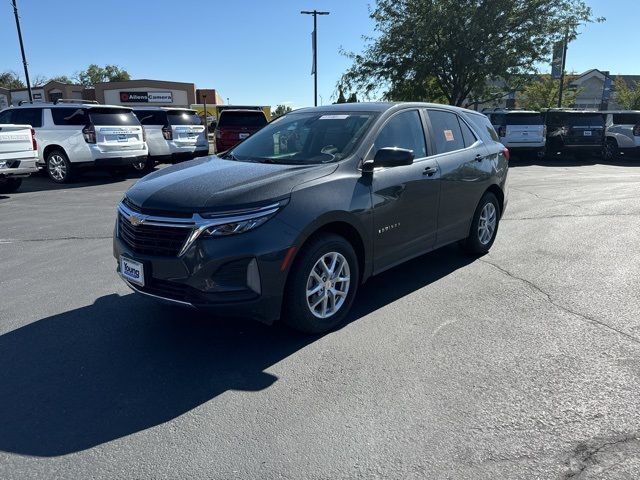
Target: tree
[
  {"x": 449, "y": 49},
  {"x": 353, "y": 98},
  {"x": 38, "y": 80},
  {"x": 10, "y": 80},
  {"x": 61, "y": 79},
  {"x": 97, "y": 74},
  {"x": 627, "y": 97},
  {"x": 545, "y": 91},
  {"x": 280, "y": 110},
  {"x": 341, "y": 97}
]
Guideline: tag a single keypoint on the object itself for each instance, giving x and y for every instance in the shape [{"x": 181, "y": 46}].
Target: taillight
[
  {"x": 506, "y": 154},
  {"x": 144, "y": 135},
  {"x": 218, "y": 134},
  {"x": 502, "y": 131},
  {"x": 167, "y": 133},
  {"x": 34, "y": 142},
  {"x": 89, "y": 134},
  {"x": 636, "y": 130},
  {"x": 544, "y": 131}
]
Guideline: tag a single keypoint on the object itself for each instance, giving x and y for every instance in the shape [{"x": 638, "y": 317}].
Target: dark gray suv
[{"x": 291, "y": 221}]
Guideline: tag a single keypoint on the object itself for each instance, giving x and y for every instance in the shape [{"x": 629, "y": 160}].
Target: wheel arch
[
  {"x": 50, "y": 148},
  {"x": 499, "y": 193}
]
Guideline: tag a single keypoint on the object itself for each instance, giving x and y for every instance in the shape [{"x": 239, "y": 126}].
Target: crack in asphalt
[
  {"x": 19, "y": 240},
  {"x": 561, "y": 202},
  {"x": 550, "y": 299},
  {"x": 584, "y": 455},
  {"x": 575, "y": 216}
]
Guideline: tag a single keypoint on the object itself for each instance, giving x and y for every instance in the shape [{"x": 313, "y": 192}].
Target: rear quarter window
[
  {"x": 69, "y": 116},
  {"x": 482, "y": 126},
  {"x": 242, "y": 119},
  {"x": 626, "y": 118}
]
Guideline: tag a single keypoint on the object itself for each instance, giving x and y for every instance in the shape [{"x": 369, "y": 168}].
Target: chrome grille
[{"x": 152, "y": 239}]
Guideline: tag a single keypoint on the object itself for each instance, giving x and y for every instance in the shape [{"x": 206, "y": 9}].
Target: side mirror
[{"x": 393, "y": 157}]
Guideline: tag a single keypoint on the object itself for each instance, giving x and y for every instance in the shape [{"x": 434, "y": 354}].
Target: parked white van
[
  {"x": 173, "y": 135},
  {"x": 72, "y": 136},
  {"x": 18, "y": 155}
]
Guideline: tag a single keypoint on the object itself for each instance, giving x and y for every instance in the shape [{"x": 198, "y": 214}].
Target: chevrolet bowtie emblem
[{"x": 135, "y": 221}]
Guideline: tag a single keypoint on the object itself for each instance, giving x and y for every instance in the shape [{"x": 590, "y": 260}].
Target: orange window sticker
[{"x": 448, "y": 135}]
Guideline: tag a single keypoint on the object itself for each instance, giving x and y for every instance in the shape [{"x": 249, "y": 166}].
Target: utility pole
[
  {"x": 206, "y": 127},
  {"x": 314, "y": 42},
  {"x": 24, "y": 58},
  {"x": 564, "y": 63}
]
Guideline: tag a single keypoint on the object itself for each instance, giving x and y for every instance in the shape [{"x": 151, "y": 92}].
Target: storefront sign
[{"x": 146, "y": 97}]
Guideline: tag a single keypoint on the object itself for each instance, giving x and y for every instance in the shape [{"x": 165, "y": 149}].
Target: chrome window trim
[{"x": 197, "y": 223}]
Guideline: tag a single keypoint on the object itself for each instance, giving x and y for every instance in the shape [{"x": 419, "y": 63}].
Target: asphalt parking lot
[{"x": 524, "y": 363}]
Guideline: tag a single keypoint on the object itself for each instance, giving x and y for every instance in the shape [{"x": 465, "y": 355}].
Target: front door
[{"x": 405, "y": 198}]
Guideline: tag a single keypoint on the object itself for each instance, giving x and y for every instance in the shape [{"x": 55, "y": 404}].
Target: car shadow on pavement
[
  {"x": 124, "y": 364},
  {"x": 40, "y": 182},
  {"x": 568, "y": 161}
]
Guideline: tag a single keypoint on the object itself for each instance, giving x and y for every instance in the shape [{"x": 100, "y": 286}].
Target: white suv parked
[
  {"x": 18, "y": 155},
  {"x": 173, "y": 135},
  {"x": 520, "y": 131},
  {"x": 72, "y": 136},
  {"x": 622, "y": 134}
]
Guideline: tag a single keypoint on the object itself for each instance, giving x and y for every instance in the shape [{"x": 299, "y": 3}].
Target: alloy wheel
[
  {"x": 328, "y": 285},
  {"x": 139, "y": 166},
  {"x": 57, "y": 167},
  {"x": 487, "y": 223}
]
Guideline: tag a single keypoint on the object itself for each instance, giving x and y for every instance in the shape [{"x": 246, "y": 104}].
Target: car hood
[{"x": 212, "y": 184}]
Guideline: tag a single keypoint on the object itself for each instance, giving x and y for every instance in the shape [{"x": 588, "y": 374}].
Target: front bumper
[{"x": 211, "y": 275}]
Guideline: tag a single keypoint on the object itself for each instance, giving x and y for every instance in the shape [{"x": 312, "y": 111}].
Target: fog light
[{"x": 253, "y": 276}]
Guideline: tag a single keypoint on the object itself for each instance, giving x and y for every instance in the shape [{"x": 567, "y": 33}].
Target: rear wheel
[
  {"x": 9, "y": 185},
  {"x": 610, "y": 150},
  {"x": 144, "y": 166},
  {"x": 58, "y": 167},
  {"x": 322, "y": 285},
  {"x": 484, "y": 226}
]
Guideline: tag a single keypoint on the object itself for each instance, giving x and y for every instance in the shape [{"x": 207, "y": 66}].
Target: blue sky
[{"x": 252, "y": 51}]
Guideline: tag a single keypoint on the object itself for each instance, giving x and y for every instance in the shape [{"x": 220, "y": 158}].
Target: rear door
[
  {"x": 117, "y": 129},
  {"x": 187, "y": 128},
  {"x": 524, "y": 128}
]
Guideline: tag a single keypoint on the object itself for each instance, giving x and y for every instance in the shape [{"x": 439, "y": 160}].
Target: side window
[
  {"x": 403, "y": 131},
  {"x": 467, "y": 135},
  {"x": 446, "y": 131},
  {"x": 69, "y": 116},
  {"x": 5, "y": 117},
  {"x": 28, "y": 116}
]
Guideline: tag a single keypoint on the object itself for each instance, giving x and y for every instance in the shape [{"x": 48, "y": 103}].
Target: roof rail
[
  {"x": 74, "y": 100},
  {"x": 22, "y": 102}
]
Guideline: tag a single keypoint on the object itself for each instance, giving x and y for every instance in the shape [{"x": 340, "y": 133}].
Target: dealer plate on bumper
[{"x": 132, "y": 271}]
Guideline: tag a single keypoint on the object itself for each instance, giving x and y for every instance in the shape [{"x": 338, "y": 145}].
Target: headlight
[{"x": 222, "y": 225}]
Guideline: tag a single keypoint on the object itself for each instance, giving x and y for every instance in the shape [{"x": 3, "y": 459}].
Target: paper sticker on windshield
[
  {"x": 333, "y": 117},
  {"x": 448, "y": 135}
]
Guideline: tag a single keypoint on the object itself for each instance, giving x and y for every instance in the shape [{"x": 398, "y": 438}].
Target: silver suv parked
[
  {"x": 522, "y": 132},
  {"x": 72, "y": 136},
  {"x": 622, "y": 134}
]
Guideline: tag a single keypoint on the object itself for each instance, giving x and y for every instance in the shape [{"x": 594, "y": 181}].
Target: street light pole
[
  {"x": 315, "y": 14},
  {"x": 564, "y": 63},
  {"x": 24, "y": 58}
]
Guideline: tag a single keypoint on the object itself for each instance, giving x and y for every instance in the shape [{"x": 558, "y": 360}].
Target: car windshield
[
  {"x": 305, "y": 138},
  {"x": 242, "y": 119},
  {"x": 183, "y": 117}
]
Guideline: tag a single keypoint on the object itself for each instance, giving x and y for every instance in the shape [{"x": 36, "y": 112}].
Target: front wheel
[
  {"x": 322, "y": 285},
  {"x": 9, "y": 185},
  {"x": 484, "y": 226}
]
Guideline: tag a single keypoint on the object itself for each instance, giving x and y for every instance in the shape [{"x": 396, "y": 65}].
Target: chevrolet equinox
[{"x": 288, "y": 223}]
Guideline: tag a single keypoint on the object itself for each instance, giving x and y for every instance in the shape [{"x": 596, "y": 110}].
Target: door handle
[
  {"x": 479, "y": 158},
  {"x": 429, "y": 171}
]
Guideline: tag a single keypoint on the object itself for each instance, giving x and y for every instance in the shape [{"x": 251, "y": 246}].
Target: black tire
[
  {"x": 474, "y": 243},
  {"x": 610, "y": 150},
  {"x": 296, "y": 312},
  {"x": 144, "y": 167},
  {"x": 58, "y": 167},
  {"x": 9, "y": 185}
]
